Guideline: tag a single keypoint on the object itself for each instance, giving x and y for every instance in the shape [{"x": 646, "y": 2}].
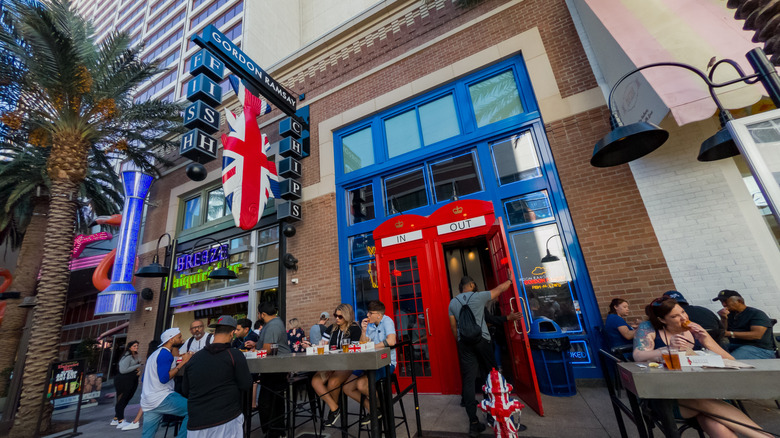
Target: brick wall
[{"x": 621, "y": 250}]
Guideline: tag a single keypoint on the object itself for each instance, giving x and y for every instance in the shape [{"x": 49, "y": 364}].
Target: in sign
[
  {"x": 465, "y": 224},
  {"x": 402, "y": 238}
]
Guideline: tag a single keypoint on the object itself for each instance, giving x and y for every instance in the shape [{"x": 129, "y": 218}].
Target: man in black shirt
[
  {"x": 700, "y": 315},
  {"x": 271, "y": 403},
  {"x": 214, "y": 379},
  {"x": 749, "y": 330},
  {"x": 245, "y": 338}
]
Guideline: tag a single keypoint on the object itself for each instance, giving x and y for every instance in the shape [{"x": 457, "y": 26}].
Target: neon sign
[
  {"x": 201, "y": 276},
  {"x": 208, "y": 255}
]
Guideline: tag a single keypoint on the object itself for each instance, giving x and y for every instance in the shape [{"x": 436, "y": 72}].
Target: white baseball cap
[{"x": 168, "y": 335}]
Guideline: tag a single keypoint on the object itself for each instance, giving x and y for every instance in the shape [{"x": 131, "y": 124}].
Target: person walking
[
  {"x": 213, "y": 382},
  {"x": 477, "y": 356},
  {"x": 126, "y": 382}
]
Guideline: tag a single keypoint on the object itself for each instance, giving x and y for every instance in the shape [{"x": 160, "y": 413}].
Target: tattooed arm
[{"x": 644, "y": 341}]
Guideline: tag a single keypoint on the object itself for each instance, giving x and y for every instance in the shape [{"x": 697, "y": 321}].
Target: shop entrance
[{"x": 420, "y": 262}]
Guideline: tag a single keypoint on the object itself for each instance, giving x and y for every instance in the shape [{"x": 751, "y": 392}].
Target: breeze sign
[{"x": 200, "y": 258}]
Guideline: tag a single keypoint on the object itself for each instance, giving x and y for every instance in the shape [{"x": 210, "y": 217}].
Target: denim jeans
[
  {"x": 750, "y": 352},
  {"x": 173, "y": 404}
]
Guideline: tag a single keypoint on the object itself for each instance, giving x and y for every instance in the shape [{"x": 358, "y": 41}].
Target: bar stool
[
  {"x": 388, "y": 410},
  {"x": 172, "y": 420},
  {"x": 309, "y": 408}
]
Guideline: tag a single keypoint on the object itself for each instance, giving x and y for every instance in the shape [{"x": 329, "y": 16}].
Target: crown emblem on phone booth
[
  {"x": 399, "y": 224},
  {"x": 457, "y": 210}
]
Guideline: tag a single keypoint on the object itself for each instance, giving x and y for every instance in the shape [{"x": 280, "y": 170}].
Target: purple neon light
[{"x": 120, "y": 295}]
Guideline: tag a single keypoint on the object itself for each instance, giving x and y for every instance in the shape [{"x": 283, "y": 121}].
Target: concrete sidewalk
[{"x": 587, "y": 414}]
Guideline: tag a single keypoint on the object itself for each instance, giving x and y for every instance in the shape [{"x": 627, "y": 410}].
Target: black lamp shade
[
  {"x": 549, "y": 258},
  {"x": 627, "y": 143},
  {"x": 719, "y": 146},
  {"x": 223, "y": 273},
  {"x": 153, "y": 270}
]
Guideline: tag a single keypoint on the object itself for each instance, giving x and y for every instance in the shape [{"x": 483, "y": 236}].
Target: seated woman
[
  {"x": 669, "y": 327},
  {"x": 618, "y": 331},
  {"x": 295, "y": 336},
  {"x": 327, "y": 384}
]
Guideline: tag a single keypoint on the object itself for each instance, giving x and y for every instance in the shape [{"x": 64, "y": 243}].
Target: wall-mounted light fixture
[
  {"x": 626, "y": 143},
  {"x": 549, "y": 257}
]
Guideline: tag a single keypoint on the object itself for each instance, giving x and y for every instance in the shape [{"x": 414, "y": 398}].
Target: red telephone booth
[{"x": 420, "y": 262}]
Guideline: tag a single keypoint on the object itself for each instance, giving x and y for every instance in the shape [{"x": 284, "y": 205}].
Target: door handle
[
  {"x": 514, "y": 323},
  {"x": 528, "y": 319},
  {"x": 428, "y": 321}
]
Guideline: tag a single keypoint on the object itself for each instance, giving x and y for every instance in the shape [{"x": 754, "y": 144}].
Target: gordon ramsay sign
[{"x": 248, "y": 178}]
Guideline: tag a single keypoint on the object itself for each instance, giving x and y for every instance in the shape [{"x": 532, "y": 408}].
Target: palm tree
[
  {"x": 75, "y": 99},
  {"x": 24, "y": 188}
]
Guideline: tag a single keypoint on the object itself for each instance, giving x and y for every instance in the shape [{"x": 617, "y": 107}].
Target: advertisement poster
[{"x": 65, "y": 379}]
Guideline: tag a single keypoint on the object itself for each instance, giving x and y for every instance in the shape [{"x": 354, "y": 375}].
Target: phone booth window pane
[
  {"x": 403, "y": 134},
  {"x": 361, "y": 204},
  {"x": 191, "y": 213},
  {"x": 409, "y": 314},
  {"x": 548, "y": 285},
  {"x": 361, "y": 246},
  {"x": 439, "y": 120},
  {"x": 358, "y": 150},
  {"x": 455, "y": 176},
  {"x": 365, "y": 287},
  {"x": 495, "y": 99},
  {"x": 528, "y": 209},
  {"x": 217, "y": 207},
  {"x": 515, "y": 159},
  {"x": 406, "y": 192}
]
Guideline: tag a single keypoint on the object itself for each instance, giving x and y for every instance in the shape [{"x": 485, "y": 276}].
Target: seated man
[
  {"x": 379, "y": 329},
  {"x": 748, "y": 329},
  {"x": 246, "y": 338}
]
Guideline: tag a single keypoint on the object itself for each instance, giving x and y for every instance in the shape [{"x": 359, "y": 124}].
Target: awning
[{"x": 621, "y": 35}]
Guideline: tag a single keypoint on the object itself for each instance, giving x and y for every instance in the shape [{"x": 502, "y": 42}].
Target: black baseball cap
[
  {"x": 725, "y": 294},
  {"x": 677, "y": 296}
]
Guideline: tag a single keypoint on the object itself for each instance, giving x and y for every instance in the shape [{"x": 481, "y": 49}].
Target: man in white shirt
[
  {"x": 199, "y": 338},
  {"x": 157, "y": 396}
]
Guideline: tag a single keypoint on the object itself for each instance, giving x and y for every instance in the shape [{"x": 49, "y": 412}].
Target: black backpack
[{"x": 469, "y": 331}]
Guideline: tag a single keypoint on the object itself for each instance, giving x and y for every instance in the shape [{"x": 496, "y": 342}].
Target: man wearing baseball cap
[
  {"x": 700, "y": 315},
  {"x": 213, "y": 382},
  {"x": 748, "y": 329},
  {"x": 157, "y": 396},
  {"x": 315, "y": 334}
]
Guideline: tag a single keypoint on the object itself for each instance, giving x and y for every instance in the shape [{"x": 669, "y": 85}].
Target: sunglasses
[
  {"x": 338, "y": 316},
  {"x": 657, "y": 302}
]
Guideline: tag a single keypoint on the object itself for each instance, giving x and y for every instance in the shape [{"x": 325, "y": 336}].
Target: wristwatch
[{"x": 731, "y": 334}]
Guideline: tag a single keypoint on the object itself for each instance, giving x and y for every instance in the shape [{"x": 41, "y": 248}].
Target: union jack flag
[{"x": 249, "y": 178}]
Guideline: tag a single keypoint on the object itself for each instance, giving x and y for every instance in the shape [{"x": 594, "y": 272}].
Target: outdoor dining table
[
  {"x": 662, "y": 387},
  {"x": 370, "y": 361}
]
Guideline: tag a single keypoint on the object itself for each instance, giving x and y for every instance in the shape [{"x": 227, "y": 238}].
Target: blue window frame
[{"x": 488, "y": 125}]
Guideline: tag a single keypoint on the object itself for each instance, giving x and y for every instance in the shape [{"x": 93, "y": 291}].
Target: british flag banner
[{"x": 249, "y": 178}]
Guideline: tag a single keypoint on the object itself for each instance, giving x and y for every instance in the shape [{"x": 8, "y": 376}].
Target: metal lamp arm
[{"x": 711, "y": 85}]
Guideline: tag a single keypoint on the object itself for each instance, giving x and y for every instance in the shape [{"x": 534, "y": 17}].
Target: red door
[
  {"x": 406, "y": 276},
  {"x": 524, "y": 374}
]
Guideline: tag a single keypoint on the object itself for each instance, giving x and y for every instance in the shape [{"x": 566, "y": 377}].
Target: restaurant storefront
[{"x": 478, "y": 138}]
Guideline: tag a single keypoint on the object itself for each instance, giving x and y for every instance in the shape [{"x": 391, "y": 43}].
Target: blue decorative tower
[{"x": 120, "y": 296}]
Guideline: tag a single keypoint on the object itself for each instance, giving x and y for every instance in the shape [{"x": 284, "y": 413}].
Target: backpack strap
[
  {"x": 189, "y": 343},
  {"x": 209, "y": 336}
]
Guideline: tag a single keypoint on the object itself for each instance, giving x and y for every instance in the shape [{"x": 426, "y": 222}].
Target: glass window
[
  {"x": 191, "y": 213},
  {"x": 361, "y": 246},
  {"x": 240, "y": 251},
  {"x": 267, "y": 271},
  {"x": 217, "y": 207},
  {"x": 268, "y": 253},
  {"x": 548, "y": 286},
  {"x": 495, "y": 99},
  {"x": 361, "y": 204},
  {"x": 405, "y": 192},
  {"x": 439, "y": 120},
  {"x": 515, "y": 158},
  {"x": 358, "y": 150},
  {"x": 455, "y": 176},
  {"x": 528, "y": 209},
  {"x": 365, "y": 286},
  {"x": 402, "y": 134}
]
